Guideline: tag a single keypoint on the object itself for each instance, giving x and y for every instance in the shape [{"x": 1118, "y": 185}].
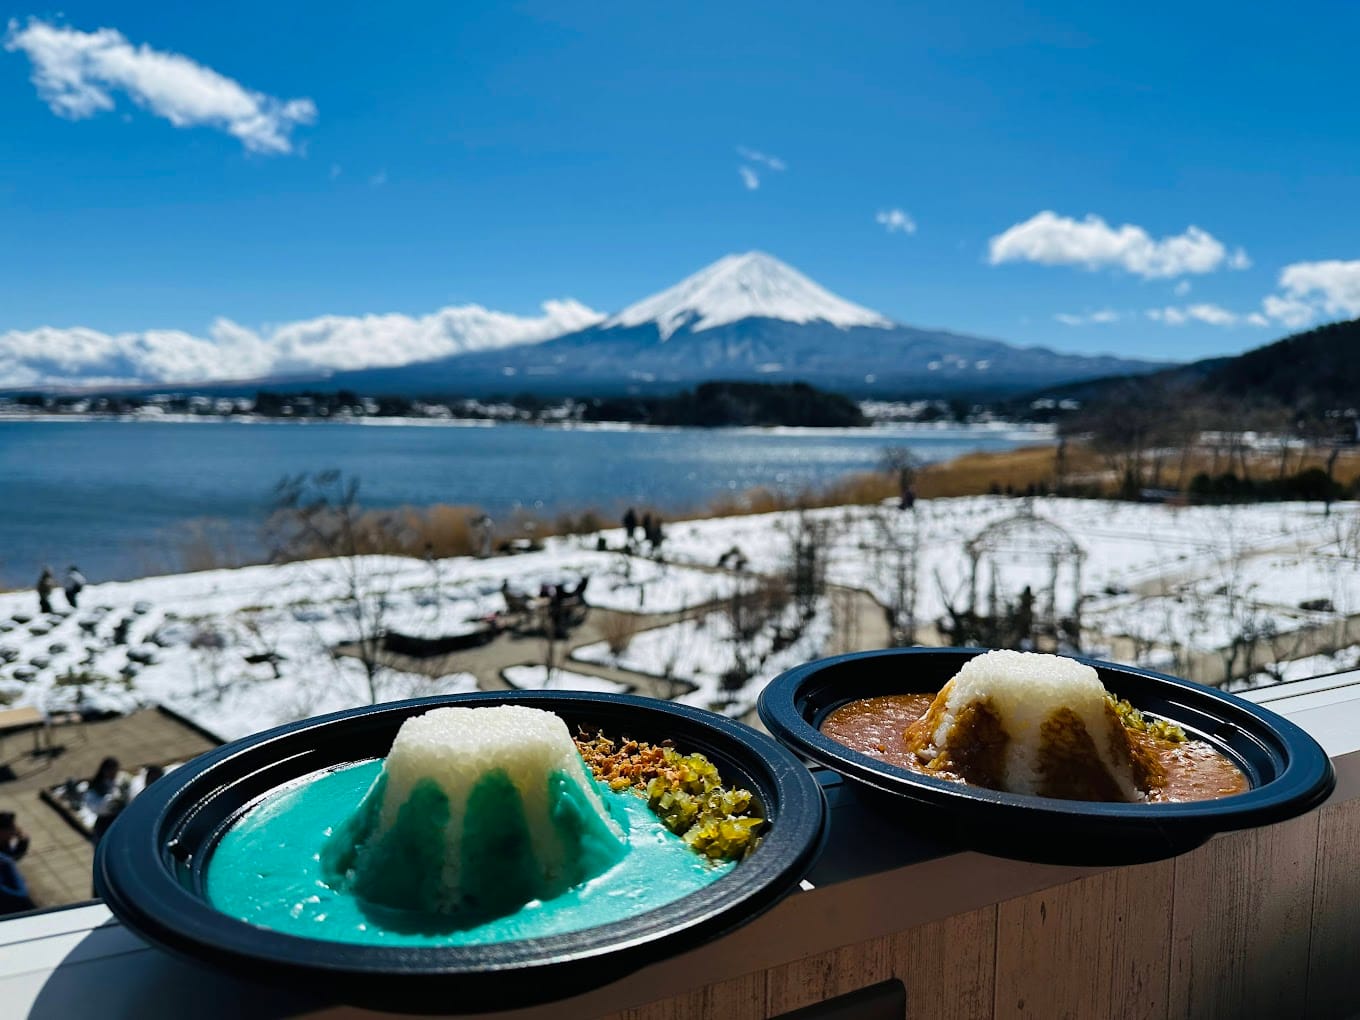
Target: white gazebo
[{"x": 1026, "y": 552}]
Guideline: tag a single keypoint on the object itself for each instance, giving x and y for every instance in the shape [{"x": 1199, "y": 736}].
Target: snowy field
[
  {"x": 183, "y": 640},
  {"x": 540, "y": 678},
  {"x": 240, "y": 650},
  {"x": 1179, "y": 581},
  {"x": 1301, "y": 669},
  {"x": 697, "y": 654},
  {"x": 1125, "y": 544}
]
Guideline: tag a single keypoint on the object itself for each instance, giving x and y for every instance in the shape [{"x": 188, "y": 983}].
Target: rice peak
[
  {"x": 478, "y": 811},
  {"x": 1045, "y": 717},
  {"x": 455, "y": 747}
]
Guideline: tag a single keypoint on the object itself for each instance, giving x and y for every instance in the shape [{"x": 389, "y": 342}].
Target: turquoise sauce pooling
[{"x": 268, "y": 870}]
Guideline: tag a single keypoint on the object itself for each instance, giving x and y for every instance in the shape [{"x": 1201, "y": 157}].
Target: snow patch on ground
[
  {"x": 184, "y": 640},
  {"x": 535, "y": 678},
  {"x": 702, "y": 651},
  {"x": 242, "y": 650}
]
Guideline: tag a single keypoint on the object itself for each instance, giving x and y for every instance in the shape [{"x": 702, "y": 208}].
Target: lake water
[{"x": 117, "y": 496}]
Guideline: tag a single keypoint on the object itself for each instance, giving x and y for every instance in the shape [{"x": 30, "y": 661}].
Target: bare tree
[
  {"x": 676, "y": 640},
  {"x": 265, "y": 643},
  {"x": 1130, "y": 621},
  {"x": 1187, "y": 428},
  {"x": 1330, "y": 434},
  {"x": 1283, "y": 645},
  {"x": 318, "y": 517},
  {"x": 209, "y": 646},
  {"x": 1105, "y": 432},
  {"x": 809, "y": 539},
  {"x": 903, "y": 465},
  {"x": 756, "y": 606},
  {"x": 618, "y": 630},
  {"x": 893, "y": 553},
  {"x": 1185, "y": 614},
  {"x": 1249, "y": 623},
  {"x": 960, "y": 625}
]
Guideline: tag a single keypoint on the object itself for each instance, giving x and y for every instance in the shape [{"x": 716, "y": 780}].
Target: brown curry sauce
[{"x": 875, "y": 726}]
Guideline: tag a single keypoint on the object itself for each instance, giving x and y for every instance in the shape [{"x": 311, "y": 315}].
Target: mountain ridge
[
  {"x": 746, "y": 316},
  {"x": 861, "y": 360},
  {"x": 1311, "y": 372}
]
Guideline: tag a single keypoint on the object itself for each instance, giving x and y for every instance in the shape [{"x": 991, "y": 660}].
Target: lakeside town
[{"x": 345, "y": 405}]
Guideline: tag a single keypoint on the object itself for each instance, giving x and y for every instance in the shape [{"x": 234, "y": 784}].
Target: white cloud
[
  {"x": 49, "y": 356},
  {"x": 1181, "y": 289},
  {"x": 336, "y": 171},
  {"x": 749, "y": 178},
  {"x": 1239, "y": 259},
  {"x": 1314, "y": 290},
  {"x": 1289, "y": 311},
  {"x": 378, "y": 179},
  {"x": 1099, "y": 317},
  {"x": 1334, "y": 283},
  {"x": 1053, "y": 240},
  {"x": 1257, "y": 319},
  {"x": 752, "y": 156},
  {"x": 1213, "y": 315},
  {"x": 895, "y": 221},
  {"x": 76, "y": 74},
  {"x": 1209, "y": 314}
]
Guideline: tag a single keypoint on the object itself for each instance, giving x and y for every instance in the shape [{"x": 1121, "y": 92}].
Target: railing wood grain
[{"x": 1260, "y": 923}]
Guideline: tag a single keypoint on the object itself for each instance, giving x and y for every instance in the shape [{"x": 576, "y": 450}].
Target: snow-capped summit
[{"x": 753, "y": 285}]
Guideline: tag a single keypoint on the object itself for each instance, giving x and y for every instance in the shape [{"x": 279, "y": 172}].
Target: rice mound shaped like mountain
[{"x": 477, "y": 811}]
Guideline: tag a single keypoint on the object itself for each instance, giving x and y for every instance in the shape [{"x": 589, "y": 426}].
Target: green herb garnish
[{"x": 1136, "y": 721}]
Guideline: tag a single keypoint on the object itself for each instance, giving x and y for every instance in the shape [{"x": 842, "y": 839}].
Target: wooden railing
[{"x": 1264, "y": 922}]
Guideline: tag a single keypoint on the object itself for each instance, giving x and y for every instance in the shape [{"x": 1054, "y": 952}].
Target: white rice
[
  {"x": 1025, "y": 689},
  {"x": 456, "y": 747}
]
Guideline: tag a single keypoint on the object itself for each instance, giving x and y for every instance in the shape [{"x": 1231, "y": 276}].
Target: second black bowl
[{"x": 1288, "y": 771}]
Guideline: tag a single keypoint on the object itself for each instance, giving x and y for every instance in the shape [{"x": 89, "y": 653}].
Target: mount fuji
[
  {"x": 745, "y": 317},
  {"x": 736, "y": 287}
]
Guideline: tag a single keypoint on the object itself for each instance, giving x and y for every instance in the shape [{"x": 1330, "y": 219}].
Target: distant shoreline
[
  {"x": 128, "y": 502},
  {"x": 905, "y": 428}
]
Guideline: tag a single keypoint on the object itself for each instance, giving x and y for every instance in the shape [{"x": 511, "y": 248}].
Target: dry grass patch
[
  {"x": 446, "y": 530},
  {"x": 974, "y": 474},
  {"x": 618, "y": 630},
  {"x": 759, "y": 500}
]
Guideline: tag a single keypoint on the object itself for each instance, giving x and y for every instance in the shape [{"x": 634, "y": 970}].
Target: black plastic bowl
[
  {"x": 1288, "y": 771},
  {"x": 150, "y": 867}
]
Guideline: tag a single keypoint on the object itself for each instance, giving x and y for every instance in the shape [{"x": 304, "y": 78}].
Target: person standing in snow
[
  {"x": 75, "y": 581},
  {"x": 47, "y": 584},
  {"x": 630, "y": 523}
]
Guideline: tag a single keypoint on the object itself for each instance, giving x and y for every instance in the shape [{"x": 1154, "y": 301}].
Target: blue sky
[{"x": 507, "y": 154}]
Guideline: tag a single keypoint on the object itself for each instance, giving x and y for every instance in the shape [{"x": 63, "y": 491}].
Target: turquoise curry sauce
[{"x": 277, "y": 867}]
